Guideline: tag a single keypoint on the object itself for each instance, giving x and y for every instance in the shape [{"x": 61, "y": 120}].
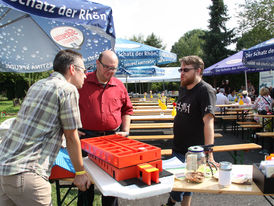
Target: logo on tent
[{"x": 67, "y": 36}]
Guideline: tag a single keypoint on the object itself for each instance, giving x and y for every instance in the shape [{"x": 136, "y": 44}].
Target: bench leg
[
  {"x": 238, "y": 156},
  {"x": 58, "y": 193},
  {"x": 58, "y": 197}
]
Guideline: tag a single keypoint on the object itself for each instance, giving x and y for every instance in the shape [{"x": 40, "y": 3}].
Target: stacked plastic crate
[{"x": 124, "y": 158}]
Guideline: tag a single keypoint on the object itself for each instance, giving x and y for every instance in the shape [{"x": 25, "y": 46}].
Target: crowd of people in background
[{"x": 262, "y": 102}]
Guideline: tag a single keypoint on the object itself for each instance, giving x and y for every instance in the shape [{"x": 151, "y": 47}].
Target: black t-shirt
[{"x": 191, "y": 107}]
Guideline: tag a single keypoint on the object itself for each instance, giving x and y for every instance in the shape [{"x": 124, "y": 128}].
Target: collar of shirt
[
  {"x": 91, "y": 77},
  {"x": 58, "y": 75}
]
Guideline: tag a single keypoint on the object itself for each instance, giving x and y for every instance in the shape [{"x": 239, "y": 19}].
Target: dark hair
[
  {"x": 196, "y": 61},
  {"x": 64, "y": 59}
]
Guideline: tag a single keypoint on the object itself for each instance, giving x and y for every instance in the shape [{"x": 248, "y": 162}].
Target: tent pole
[{"x": 246, "y": 81}]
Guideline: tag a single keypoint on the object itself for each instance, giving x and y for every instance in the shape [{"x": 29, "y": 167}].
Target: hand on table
[
  {"x": 83, "y": 182},
  {"x": 213, "y": 162},
  {"x": 124, "y": 134},
  {"x": 211, "y": 159}
]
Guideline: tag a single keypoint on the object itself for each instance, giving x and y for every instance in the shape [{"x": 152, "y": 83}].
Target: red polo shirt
[{"x": 102, "y": 107}]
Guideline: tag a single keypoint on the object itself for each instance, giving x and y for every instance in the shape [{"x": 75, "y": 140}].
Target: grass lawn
[
  {"x": 7, "y": 110},
  {"x": 73, "y": 192}
]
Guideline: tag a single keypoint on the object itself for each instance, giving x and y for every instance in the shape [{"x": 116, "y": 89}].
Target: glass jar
[
  {"x": 195, "y": 164},
  {"x": 225, "y": 174}
]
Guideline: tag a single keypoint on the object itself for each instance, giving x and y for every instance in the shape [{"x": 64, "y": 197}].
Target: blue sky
[{"x": 169, "y": 20}]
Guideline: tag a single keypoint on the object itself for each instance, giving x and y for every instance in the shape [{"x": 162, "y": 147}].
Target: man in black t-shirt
[{"x": 194, "y": 122}]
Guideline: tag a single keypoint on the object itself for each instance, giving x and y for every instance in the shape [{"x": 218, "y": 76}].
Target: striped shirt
[{"x": 34, "y": 138}]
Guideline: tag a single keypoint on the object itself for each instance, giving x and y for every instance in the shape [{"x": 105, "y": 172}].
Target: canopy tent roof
[
  {"x": 142, "y": 71},
  {"x": 260, "y": 55},
  {"x": 171, "y": 75},
  {"x": 31, "y": 35},
  {"x": 231, "y": 65},
  {"x": 133, "y": 54}
]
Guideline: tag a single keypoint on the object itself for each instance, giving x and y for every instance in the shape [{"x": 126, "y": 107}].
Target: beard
[{"x": 188, "y": 81}]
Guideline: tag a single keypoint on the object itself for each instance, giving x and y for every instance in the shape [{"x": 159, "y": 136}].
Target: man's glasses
[
  {"x": 81, "y": 69},
  {"x": 108, "y": 67},
  {"x": 185, "y": 70}
]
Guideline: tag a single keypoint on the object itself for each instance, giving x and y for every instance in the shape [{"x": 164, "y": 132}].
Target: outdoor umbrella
[
  {"x": 171, "y": 74},
  {"x": 139, "y": 58},
  {"x": 232, "y": 65},
  {"x": 260, "y": 55},
  {"x": 141, "y": 71},
  {"x": 32, "y": 32}
]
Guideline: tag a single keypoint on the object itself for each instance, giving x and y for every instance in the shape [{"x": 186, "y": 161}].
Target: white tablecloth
[{"x": 110, "y": 187}]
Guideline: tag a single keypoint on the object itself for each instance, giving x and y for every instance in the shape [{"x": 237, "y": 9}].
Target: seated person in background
[
  {"x": 250, "y": 88},
  {"x": 246, "y": 99},
  {"x": 232, "y": 96},
  {"x": 263, "y": 103},
  {"x": 221, "y": 98}
]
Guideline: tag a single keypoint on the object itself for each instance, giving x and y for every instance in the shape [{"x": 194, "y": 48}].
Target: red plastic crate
[
  {"x": 123, "y": 173},
  {"x": 120, "y": 151},
  {"x": 60, "y": 173}
]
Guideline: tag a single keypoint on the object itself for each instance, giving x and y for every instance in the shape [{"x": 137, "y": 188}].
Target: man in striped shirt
[{"x": 29, "y": 149}]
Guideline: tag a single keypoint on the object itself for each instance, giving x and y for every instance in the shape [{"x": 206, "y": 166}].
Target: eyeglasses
[
  {"x": 81, "y": 69},
  {"x": 108, "y": 67},
  {"x": 185, "y": 70}
]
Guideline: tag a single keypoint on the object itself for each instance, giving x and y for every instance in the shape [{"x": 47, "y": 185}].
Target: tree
[
  {"x": 139, "y": 38},
  {"x": 15, "y": 85},
  {"x": 151, "y": 40},
  {"x": 154, "y": 41},
  {"x": 257, "y": 13},
  {"x": 189, "y": 44},
  {"x": 218, "y": 37},
  {"x": 253, "y": 37},
  {"x": 256, "y": 23}
]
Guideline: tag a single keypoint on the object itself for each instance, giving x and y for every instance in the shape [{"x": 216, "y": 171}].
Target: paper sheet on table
[
  {"x": 176, "y": 167},
  {"x": 110, "y": 187}
]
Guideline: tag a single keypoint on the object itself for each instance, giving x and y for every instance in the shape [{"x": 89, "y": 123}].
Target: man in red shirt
[{"x": 105, "y": 109}]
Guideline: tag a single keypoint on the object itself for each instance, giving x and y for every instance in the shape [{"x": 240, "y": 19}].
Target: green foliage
[
  {"x": 151, "y": 40},
  {"x": 15, "y": 85},
  {"x": 257, "y": 13},
  {"x": 154, "y": 41},
  {"x": 72, "y": 194},
  {"x": 218, "y": 37},
  {"x": 189, "y": 44},
  {"x": 256, "y": 23},
  {"x": 7, "y": 110},
  {"x": 253, "y": 37},
  {"x": 139, "y": 38}
]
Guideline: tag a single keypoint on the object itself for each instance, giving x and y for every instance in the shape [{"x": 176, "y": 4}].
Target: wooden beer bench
[
  {"x": 264, "y": 135},
  {"x": 151, "y": 112},
  {"x": 151, "y": 126},
  {"x": 239, "y": 123},
  {"x": 250, "y": 127},
  {"x": 150, "y": 107},
  {"x": 161, "y": 137},
  {"x": 232, "y": 149}
]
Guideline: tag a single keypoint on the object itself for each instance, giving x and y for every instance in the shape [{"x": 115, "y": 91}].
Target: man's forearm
[
  {"x": 126, "y": 123},
  {"x": 74, "y": 149}
]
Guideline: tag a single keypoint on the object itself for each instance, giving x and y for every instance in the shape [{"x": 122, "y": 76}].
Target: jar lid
[
  {"x": 195, "y": 149},
  {"x": 225, "y": 166}
]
